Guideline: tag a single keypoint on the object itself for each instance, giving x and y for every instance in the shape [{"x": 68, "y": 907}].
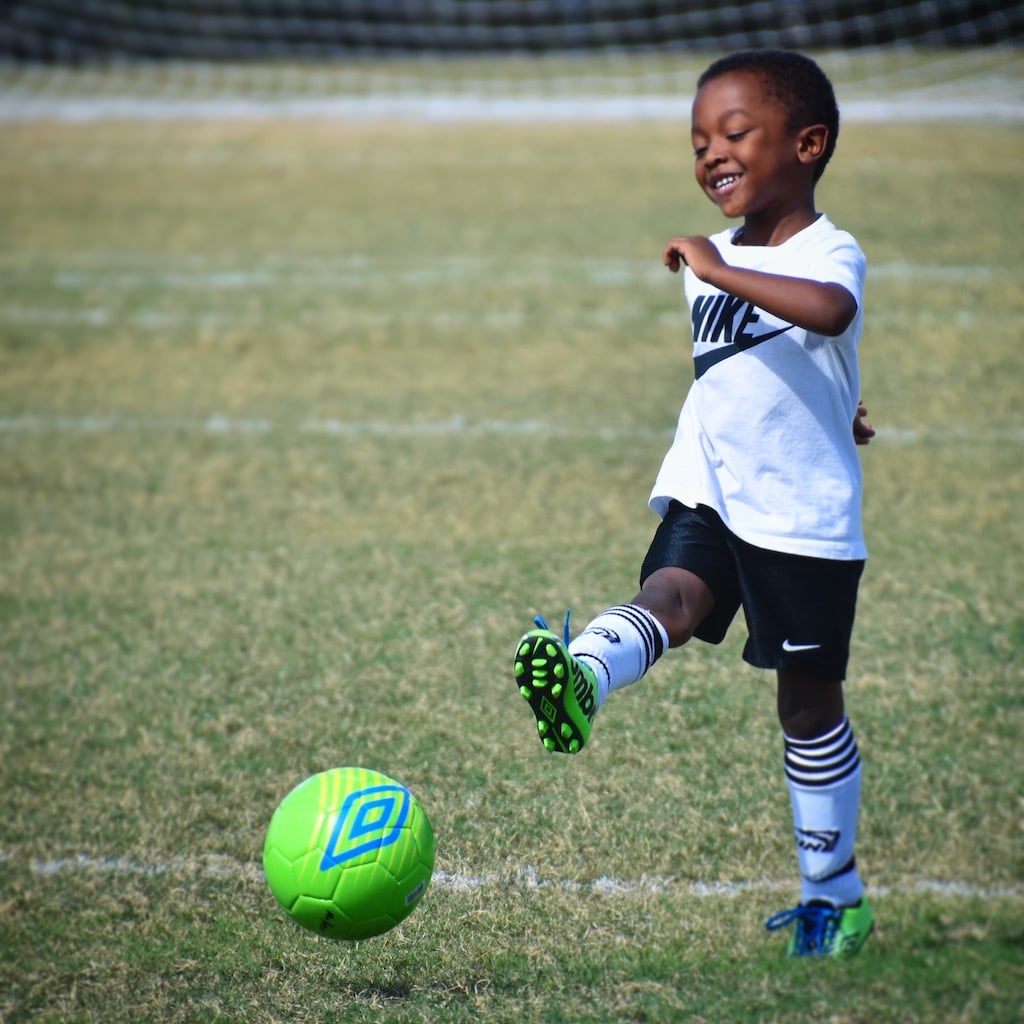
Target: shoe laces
[
  {"x": 541, "y": 623},
  {"x": 815, "y": 926}
]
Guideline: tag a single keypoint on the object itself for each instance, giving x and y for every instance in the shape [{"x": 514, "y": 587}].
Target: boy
[{"x": 760, "y": 492}]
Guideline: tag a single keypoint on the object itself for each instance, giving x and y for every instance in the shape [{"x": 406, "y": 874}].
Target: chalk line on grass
[
  {"x": 218, "y": 867},
  {"x": 126, "y": 271},
  {"x": 452, "y": 427},
  {"x": 27, "y": 107}
]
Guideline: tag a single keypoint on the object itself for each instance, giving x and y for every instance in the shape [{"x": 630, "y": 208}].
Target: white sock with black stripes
[
  {"x": 823, "y": 775},
  {"x": 620, "y": 645}
]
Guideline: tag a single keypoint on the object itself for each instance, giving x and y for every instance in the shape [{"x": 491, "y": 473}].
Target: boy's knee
[
  {"x": 808, "y": 705},
  {"x": 679, "y": 600}
]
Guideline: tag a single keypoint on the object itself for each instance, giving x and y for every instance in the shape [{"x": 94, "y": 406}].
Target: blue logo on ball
[{"x": 369, "y": 819}]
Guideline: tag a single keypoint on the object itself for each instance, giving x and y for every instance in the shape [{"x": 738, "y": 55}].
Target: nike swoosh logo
[
  {"x": 704, "y": 362},
  {"x": 790, "y": 648}
]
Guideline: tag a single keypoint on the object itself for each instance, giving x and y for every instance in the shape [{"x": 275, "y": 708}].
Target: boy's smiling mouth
[{"x": 723, "y": 182}]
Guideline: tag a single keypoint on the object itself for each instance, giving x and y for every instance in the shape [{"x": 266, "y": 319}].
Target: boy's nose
[
  {"x": 712, "y": 162},
  {"x": 714, "y": 154}
]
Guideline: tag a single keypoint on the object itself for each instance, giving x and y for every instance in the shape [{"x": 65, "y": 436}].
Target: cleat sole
[{"x": 541, "y": 670}]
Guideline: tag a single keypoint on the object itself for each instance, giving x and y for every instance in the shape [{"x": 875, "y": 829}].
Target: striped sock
[
  {"x": 824, "y": 777},
  {"x": 621, "y": 644}
]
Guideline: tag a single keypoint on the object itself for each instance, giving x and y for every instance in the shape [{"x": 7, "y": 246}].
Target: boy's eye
[
  {"x": 699, "y": 151},
  {"x": 736, "y": 136}
]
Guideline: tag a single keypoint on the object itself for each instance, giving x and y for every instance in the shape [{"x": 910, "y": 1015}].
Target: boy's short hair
[{"x": 796, "y": 82}]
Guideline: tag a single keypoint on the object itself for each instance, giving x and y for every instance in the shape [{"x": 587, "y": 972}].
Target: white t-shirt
[{"x": 765, "y": 434}]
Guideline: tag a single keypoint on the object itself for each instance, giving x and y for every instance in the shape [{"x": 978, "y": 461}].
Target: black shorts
[{"x": 799, "y": 610}]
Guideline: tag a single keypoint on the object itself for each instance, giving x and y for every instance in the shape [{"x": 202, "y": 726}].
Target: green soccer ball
[{"x": 349, "y": 853}]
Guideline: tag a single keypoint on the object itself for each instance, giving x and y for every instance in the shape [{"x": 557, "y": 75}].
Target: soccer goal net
[{"x": 408, "y": 50}]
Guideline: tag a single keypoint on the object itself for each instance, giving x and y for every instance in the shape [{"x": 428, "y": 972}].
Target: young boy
[{"x": 760, "y": 492}]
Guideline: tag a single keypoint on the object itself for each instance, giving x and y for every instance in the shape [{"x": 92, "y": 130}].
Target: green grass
[{"x": 301, "y": 424}]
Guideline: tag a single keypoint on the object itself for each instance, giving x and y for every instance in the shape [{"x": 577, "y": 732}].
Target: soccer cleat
[
  {"x": 561, "y": 691},
  {"x": 823, "y": 930}
]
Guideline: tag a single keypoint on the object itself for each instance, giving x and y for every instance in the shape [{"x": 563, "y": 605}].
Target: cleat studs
[
  {"x": 565, "y": 730},
  {"x": 556, "y": 690},
  {"x": 542, "y": 728},
  {"x": 574, "y": 746},
  {"x": 526, "y": 692},
  {"x": 549, "y": 743}
]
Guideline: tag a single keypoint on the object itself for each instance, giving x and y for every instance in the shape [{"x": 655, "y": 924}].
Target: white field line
[
  {"x": 455, "y": 426},
  {"x": 226, "y": 319},
  {"x": 83, "y": 270},
  {"x": 330, "y": 277},
  {"x": 526, "y": 878},
  {"x": 17, "y": 106},
  {"x": 341, "y": 320}
]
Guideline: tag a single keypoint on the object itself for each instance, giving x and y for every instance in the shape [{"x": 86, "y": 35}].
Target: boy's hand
[
  {"x": 862, "y": 430},
  {"x": 696, "y": 252}
]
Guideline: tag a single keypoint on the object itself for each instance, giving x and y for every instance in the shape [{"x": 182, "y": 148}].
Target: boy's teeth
[{"x": 723, "y": 182}]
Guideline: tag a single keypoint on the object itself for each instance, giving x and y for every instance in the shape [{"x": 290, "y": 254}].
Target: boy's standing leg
[
  {"x": 823, "y": 774},
  {"x": 800, "y": 613}
]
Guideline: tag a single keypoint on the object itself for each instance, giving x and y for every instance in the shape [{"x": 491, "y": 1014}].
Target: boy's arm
[
  {"x": 822, "y": 308},
  {"x": 819, "y": 307}
]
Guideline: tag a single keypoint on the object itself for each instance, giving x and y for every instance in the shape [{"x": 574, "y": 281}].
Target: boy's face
[{"x": 747, "y": 157}]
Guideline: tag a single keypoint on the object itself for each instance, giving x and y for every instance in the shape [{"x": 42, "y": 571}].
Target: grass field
[{"x": 301, "y": 423}]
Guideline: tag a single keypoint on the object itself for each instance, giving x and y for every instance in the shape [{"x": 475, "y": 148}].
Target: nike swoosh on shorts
[{"x": 789, "y": 648}]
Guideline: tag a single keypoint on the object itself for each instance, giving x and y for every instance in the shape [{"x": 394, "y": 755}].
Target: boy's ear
[{"x": 811, "y": 142}]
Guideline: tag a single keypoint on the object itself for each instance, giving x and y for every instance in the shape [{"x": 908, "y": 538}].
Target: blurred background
[{"x": 565, "y": 59}]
